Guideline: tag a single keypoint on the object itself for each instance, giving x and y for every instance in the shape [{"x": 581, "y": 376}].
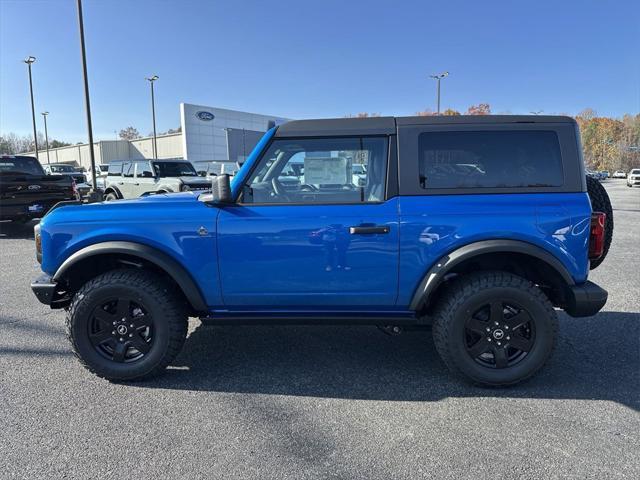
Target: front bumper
[
  {"x": 44, "y": 289},
  {"x": 585, "y": 299}
]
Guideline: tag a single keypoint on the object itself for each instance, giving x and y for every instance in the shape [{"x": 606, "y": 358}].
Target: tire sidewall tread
[
  {"x": 170, "y": 323},
  {"x": 449, "y": 318}
]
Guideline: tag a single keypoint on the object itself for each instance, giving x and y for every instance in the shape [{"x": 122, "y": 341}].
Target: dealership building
[{"x": 207, "y": 133}]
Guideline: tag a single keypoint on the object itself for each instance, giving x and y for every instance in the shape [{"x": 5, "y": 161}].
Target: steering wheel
[
  {"x": 305, "y": 187},
  {"x": 278, "y": 189}
]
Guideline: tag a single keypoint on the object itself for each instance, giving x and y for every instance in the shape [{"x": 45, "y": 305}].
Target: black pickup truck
[{"x": 27, "y": 192}]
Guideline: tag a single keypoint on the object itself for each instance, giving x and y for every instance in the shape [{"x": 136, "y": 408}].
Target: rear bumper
[
  {"x": 44, "y": 288},
  {"x": 585, "y": 299}
]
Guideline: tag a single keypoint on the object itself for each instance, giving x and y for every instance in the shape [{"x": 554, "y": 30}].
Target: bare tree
[{"x": 129, "y": 133}]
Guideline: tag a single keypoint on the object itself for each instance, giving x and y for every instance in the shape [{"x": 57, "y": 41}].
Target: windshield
[
  {"x": 62, "y": 169},
  {"x": 174, "y": 169},
  {"x": 28, "y": 165},
  {"x": 635, "y": 171}
]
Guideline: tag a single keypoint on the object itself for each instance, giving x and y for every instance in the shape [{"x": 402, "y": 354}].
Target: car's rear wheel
[
  {"x": 126, "y": 325},
  {"x": 494, "y": 328}
]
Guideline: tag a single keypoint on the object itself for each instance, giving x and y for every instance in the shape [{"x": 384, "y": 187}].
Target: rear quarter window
[{"x": 489, "y": 159}]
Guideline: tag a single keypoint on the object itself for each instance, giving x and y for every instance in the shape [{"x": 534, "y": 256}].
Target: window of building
[{"x": 490, "y": 159}]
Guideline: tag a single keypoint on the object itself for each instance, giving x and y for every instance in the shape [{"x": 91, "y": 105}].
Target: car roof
[{"x": 387, "y": 125}]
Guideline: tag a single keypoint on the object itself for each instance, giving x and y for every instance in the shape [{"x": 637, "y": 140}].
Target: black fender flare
[
  {"x": 435, "y": 275},
  {"x": 115, "y": 190},
  {"x": 160, "y": 259}
]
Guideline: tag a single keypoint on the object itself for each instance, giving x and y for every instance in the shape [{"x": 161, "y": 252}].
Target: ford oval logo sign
[
  {"x": 34, "y": 187},
  {"x": 205, "y": 116}
]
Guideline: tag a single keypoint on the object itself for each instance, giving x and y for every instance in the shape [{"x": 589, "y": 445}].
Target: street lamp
[
  {"x": 153, "y": 114},
  {"x": 46, "y": 134},
  {"x": 95, "y": 195},
  {"x": 437, "y": 78},
  {"x": 29, "y": 60}
]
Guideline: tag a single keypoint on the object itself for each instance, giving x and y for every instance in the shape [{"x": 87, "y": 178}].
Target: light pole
[
  {"x": 437, "y": 78},
  {"x": 153, "y": 115},
  {"x": 29, "y": 60},
  {"x": 46, "y": 135},
  {"x": 95, "y": 194}
]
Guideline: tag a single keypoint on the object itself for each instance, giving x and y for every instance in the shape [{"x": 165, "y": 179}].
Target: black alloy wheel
[
  {"x": 499, "y": 334},
  {"x": 121, "y": 330}
]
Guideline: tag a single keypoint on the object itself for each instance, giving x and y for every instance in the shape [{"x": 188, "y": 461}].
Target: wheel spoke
[
  {"x": 119, "y": 352},
  {"x": 521, "y": 343},
  {"x": 105, "y": 317},
  {"x": 477, "y": 326},
  {"x": 497, "y": 311},
  {"x": 500, "y": 357},
  {"x": 122, "y": 309},
  {"x": 478, "y": 348},
  {"x": 141, "y": 321},
  {"x": 100, "y": 337},
  {"x": 519, "y": 319},
  {"x": 140, "y": 343}
]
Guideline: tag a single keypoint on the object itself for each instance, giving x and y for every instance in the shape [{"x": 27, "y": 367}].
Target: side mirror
[
  {"x": 202, "y": 173},
  {"x": 220, "y": 191},
  {"x": 147, "y": 174}
]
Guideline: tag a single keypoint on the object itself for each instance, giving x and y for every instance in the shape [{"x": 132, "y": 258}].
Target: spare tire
[{"x": 600, "y": 203}]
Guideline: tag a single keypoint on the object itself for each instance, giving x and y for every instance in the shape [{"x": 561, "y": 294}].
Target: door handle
[
  {"x": 136, "y": 184},
  {"x": 369, "y": 230},
  {"x": 120, "y": 183}
]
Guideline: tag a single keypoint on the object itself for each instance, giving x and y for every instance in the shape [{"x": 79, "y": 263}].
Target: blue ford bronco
[{"x": 480, "y": 227}]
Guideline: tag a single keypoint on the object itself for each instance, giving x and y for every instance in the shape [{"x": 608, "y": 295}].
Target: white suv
[{"x": 634, "y": 177}]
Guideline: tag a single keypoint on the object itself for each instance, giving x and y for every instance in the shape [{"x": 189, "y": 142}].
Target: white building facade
[{"x": 207, "y": 133}]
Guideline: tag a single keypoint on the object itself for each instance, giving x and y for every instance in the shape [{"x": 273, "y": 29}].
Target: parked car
[
  {"x": 634, "y": 177},
  {"x": 78, "y": 176},
  {"x": 594, "y": 174},
  {"x": 604, "y": 174},
  {"x": 619, "y": 174},
  {"x": 132, "y": 179},
  {"x": 483, "y": 258},
  {"x": 26, "y": 192}
]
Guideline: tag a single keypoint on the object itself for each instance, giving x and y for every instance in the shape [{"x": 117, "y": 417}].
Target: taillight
[
  {"x": 596, "y": 237},
  {"x": 74, "y": 188}
]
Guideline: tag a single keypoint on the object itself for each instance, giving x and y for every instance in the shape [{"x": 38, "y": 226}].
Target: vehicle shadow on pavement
[
  {"x": 594, "y": 360},
  {"x": 14, "y": 230}
]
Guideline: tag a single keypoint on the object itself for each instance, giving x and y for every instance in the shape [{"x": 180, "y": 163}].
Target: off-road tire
[
  {"x": 600, "y": 203},
  {"x": 109, "y": 197},
  {"x": 454, "y": 308},
  {"x": 157, "y": 295}
]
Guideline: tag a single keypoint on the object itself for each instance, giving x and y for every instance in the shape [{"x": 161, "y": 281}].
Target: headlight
[{"x": 38, "y": 239}]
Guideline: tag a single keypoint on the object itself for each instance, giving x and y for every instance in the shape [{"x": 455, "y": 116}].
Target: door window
[
  {"x": 143, "y": 170},
  {"x": 127, "y": 170},
  {"x": 320, "y": 171}
]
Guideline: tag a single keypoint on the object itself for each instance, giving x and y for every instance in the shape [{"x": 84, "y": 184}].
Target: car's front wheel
[
  {"x": 126, "y": 325},
  {"x": 494, "y": 328}
]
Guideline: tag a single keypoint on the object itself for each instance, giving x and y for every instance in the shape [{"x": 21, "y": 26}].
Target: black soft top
[{"x": 387, "y": 125}]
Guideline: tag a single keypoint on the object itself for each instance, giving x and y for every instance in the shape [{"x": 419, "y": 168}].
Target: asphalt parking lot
[{"x": 322, "y": 402}]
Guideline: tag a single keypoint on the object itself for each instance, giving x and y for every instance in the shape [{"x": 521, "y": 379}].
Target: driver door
[{"x": 302, "y": 235}]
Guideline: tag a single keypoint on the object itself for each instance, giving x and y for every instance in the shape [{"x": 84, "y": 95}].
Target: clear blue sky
[{"x": 302, "y": 59}]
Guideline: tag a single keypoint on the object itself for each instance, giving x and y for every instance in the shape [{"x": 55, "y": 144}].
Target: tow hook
[{"x": 391, "y": 330}]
